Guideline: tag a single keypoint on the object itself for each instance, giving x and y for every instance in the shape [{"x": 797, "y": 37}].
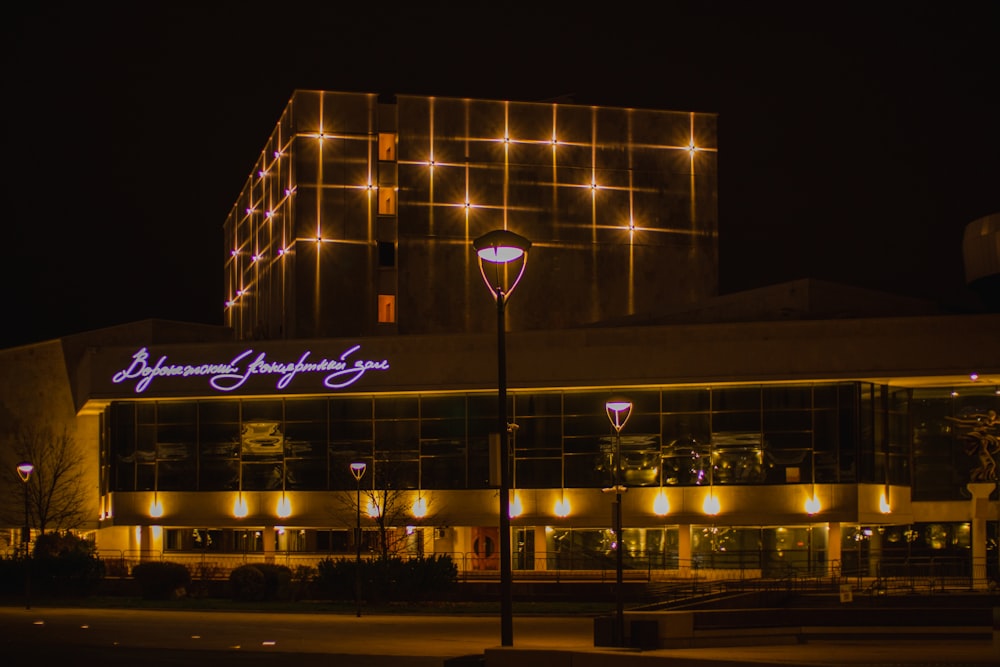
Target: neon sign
[{"x": 227, "y": 376}]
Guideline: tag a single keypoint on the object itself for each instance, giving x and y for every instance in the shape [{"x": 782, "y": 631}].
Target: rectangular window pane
[
  {"x": 350, "y": 408},
  {"x": 530, "y": 405},
  {"x": 443, "y": 472},
  {"x": 305, "y": 475},
  {"x": 584, "y": 470},
  {"x": 219, "y": 475},
  {"x": 442, "y": 407},
  {"x": 736, "y": 398},
  {"x": 262, "y": 476},
  {"x": 537, "y": 473},
  {"x": 686, "y": 400},
  {"x": 402, "y": 407},
  {"x": 177, "y": 475},
  {"x": 177, "y": 412},
  {"x": 386, "y": 307}
]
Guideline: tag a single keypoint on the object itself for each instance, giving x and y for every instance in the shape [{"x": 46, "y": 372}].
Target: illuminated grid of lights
[{"x": 462, "y": 166}]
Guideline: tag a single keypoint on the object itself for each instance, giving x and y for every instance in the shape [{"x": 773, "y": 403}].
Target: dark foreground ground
[{"x": 112, "y": 637}]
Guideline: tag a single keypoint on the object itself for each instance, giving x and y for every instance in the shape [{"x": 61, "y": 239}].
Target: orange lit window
[
  {"x": 386, "y": 308},
  {"x": 386, "y": 201},
  {"x": 386, "y": 146}
]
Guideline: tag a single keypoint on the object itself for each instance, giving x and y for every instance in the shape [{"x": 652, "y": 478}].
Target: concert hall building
[{"x": 804, "y": 425}]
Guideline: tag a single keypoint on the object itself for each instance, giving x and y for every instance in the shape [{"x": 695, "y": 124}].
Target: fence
[{"x": 675, "y": 578}]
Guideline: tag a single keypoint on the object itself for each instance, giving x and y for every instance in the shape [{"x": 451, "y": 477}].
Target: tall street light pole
[
  {"x": 619, "y": 410},
  {"x": 503, "y": 256},
  {"x": 358, "y": 470},
  {"x": 24, "y": 470}
]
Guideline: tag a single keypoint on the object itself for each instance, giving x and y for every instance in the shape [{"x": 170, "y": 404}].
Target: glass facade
[{"x": 733, "y": 435}]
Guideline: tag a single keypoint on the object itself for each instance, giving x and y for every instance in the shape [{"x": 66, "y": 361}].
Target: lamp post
[
  {"x": 24, "y": 470},
  {"x": 619, "y": 410},
  {"x": 358, "y": 470},
  {"x": 503, "y": 256}
]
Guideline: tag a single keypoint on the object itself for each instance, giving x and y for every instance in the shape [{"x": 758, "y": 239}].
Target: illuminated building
[
  {"x": 772, "y": 429},
  {"x": 357, "y": 217}
]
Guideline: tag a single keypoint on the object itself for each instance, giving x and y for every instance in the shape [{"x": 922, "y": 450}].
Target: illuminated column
[
  {"x": 146, "y": 546},
  {"x": 979, "y": 513},
  {"x": 875, "y": 551},
  {"x": 541, "y": 555},
  {"x": 267, "y": 535},
  {"x": 684, "y": 548},
  {"x": 833, "y": 545}
]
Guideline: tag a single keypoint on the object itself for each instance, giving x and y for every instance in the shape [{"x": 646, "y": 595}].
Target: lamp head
[
  {"x": 358, "y": 469},
  {"x": 619, "y": 409},
  {"x": 24, "y": 470},
  {"x": 499, "y": 250}
]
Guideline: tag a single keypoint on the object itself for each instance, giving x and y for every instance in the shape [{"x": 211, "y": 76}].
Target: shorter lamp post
[
  {"x": 358, "y": 470},
  {"x": 24, "y": 470},
  {"x": 619, "y": 410}
]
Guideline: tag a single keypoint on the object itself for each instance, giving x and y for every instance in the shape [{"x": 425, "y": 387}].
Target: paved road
[
  {"x": 120, "y": 637},
  {"x": 256, "y": 638}
]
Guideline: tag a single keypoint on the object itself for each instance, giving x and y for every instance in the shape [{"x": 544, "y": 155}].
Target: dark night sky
[{"x": 857, "y": 139}]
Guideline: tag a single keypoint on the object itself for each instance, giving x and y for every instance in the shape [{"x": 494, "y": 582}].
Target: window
[
  {"x": 386, "y": 253},
  {"x": 386, "y": 308},
  {"x": 386, "y": 146},
  {"x": 386, "y": 201}
]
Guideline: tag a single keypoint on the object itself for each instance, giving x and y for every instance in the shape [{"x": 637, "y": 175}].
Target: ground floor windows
[{"x": 917, "y": 555}]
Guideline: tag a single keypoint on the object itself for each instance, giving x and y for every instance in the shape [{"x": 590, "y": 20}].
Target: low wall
[{"x": 749, "y": 627}]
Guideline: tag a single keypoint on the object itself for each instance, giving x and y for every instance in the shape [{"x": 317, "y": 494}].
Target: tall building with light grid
[{"x": 358, "y": 215}]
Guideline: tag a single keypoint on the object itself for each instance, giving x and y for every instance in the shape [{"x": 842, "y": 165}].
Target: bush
[
  {"x": 65, "y": 564},
  {"x": 246, "y": 583},
  {"x": 162, "y": 580},
  {"x": 392, "y": 579},
  {"x": 335, "y": 578},
  {"x": 302, "y": 578},
  {"x": 261, "y": 581},
  {"x": 12, "y": 571},
  {"x": 428, "y": 578}
]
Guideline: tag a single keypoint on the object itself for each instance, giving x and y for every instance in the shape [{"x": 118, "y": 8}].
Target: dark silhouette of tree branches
[{"x": 57, "y": 490}]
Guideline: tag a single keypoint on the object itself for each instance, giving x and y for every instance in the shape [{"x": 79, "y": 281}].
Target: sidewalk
[
  {"x": 857, "y": 653},
  {"x": 241, "y": 639}
]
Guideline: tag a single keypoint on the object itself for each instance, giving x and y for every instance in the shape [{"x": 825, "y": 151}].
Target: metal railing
[{"x": 730, "y": 571}]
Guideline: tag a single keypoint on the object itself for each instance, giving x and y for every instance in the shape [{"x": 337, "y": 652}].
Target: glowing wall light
[
  {"x": 562, "y": 508},
  {"x": 284, "y": 507},
  {"x": 812, "y": 504},
  {"x": 240, "y": 507},
  {"x": 661, "y": 506},
  {"x": 156, "y": 508},
  {"x": 419, "y": 507},
  {"x": 711, "y": 505},
  {"x": 883, "y": 503},
  {"x": 515, "y": 507},
  {"x": 371, "y": 509}
]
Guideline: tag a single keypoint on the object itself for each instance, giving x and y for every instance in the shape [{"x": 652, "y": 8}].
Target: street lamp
[
  {"x": 358, "y": 470},
  {"x": 24, "y": 470},
  {"x": 619, "y": 410},
  {"x": 503, "y": 255}
]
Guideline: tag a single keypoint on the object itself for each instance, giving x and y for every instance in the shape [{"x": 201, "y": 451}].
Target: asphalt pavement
[{"x": 119, "y": 637}]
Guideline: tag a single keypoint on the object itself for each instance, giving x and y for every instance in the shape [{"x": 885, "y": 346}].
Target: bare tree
[
  {"x": 386, "y": 504},
  {"x": 390, "y": 514},
  {"x": 57, "y": 489}
]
